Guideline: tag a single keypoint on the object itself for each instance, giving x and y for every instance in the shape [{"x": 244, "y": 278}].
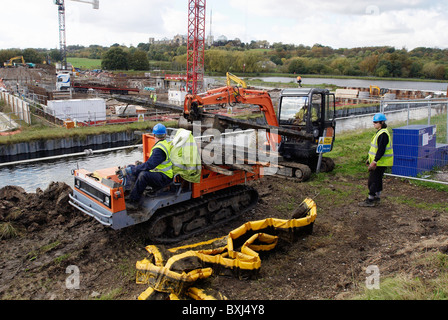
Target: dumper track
[{"x": 196, "y": 216}]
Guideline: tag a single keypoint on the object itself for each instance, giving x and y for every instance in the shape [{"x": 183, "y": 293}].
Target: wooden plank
[{"x": 218, "y": 169}]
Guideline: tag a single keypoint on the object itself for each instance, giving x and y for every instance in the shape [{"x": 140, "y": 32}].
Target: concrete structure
[
  {"x": 78, "y": 109},
  {"x": 176, "y": 97},
  {"x": 178, "y": 39},
  {"x": 19, "y": 107},
  {"x": 6, "y": 123}
]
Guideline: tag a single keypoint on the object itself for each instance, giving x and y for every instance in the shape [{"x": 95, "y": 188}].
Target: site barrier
[
  {"x": 421, "y": 144},
  {"x": 18, "y": 106}
]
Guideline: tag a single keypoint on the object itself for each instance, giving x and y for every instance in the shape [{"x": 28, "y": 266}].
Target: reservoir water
[
  {"x": 361, "y": 83},
  {"x": 40, "y": 174}
]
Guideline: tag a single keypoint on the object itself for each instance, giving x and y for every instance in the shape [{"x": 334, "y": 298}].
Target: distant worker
[
  {"x": 380, "y": 157},
  {"x": 300, "y": 117},
  {"x": 156, "y": 172},
  {"x": 299, "y": 81}
]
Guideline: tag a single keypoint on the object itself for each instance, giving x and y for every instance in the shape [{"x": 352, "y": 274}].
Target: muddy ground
[{"x": 329, "y": 264}]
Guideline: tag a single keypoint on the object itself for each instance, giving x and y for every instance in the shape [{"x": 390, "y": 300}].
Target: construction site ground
[{"x": 410, "y": 224}]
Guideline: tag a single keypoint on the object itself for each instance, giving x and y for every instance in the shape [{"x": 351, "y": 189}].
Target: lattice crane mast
[
  {"x": 62, "y": 35},
  {"x": 195, "y": 46}
]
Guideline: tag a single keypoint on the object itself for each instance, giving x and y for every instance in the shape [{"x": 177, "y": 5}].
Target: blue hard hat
[
  {"x": 379, "y": 117},
  {"x": 159, "y": 129}
]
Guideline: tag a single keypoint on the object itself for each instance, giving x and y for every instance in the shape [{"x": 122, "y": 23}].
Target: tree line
[{"x": 260, "y": 57}]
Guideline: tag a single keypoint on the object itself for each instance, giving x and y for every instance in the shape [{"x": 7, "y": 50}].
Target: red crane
[{"x": 195, "y": 46}]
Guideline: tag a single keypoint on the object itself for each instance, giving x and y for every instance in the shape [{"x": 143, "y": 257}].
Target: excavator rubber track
[
  {"x": 327, "y": 165},
  {"x": 294, "y": 171},
  {"x": 301, "y": 172},
  {"x": 196, "y": 216}
]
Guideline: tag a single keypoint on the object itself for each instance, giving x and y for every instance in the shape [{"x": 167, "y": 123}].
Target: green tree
[
  {"x": 247, "y": 61},
  {"x": 383, "y": 68},
  {"x": 7, "y": 54},
  {"x": 31, "y": 55},
  {"x": 415, "y": 70},
  {"x": 368, "y": 65},
  {"x": 143, "y": 46},
  {"x": 115, "y": 59},
  {"x": 139, "y": 60},
  {"x": 276, "y": 59},
  {"x": 440, "y": 72},
  {"x": 181, "y": 50},
  {"x": 341, "y": 65},
  {"x": 298, "y": 65},
  {"x": 55, "y": 55},
  {"x": 220, "y": 61}
]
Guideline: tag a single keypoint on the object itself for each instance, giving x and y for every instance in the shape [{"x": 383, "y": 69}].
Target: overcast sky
[{"x": 339, "y": 24}]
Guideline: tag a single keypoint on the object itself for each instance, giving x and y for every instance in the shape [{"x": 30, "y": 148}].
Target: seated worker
[
  {"x": 300, "y": 117},
  {"x": 156, "y": 172}
]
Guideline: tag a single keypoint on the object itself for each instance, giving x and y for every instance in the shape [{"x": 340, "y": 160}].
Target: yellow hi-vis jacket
[
  {"x": 387, "y": 160},
  {"x": 166, "y": 166},
  {"x": 185, "y": 156},
  {"x": 300, "y": 116}
]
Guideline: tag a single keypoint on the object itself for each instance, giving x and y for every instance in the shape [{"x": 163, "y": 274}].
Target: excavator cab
[{"x": 311, "y": 111}]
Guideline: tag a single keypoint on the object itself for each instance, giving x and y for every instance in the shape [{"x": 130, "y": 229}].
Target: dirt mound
[
  {"x": 32, "y": 211},
  {"x": 51, "y": 239}
]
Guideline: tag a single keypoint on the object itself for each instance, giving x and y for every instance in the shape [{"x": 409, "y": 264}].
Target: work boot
[{"x": 368, "y": 203}]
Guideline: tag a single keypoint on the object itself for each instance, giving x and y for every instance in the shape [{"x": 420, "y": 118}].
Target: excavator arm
[
  {"x": 195, "y": 107},
  {"x": 9, "y": 63},
  {"x": 239, "y": 81},
  {"x": 194, "y": 104}
]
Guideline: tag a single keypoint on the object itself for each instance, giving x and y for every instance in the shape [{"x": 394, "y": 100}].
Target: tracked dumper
[{"x": 183, "y": 208}]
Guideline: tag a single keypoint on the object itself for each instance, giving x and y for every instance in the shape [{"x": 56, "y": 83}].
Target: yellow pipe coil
[{"x": 171, "y": 273}]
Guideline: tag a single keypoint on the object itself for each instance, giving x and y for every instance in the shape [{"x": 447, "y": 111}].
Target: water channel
[
  {"x": 39, "y": 174},
  {"x": 31, "y": 176},
  {"x": 361, "y": 83}
]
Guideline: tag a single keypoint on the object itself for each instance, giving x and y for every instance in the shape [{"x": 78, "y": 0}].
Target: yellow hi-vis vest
[
  {"x": 387, "y": 160},
  {"x": 185, "y": 156},
  {"x": 166, "y": 166}
]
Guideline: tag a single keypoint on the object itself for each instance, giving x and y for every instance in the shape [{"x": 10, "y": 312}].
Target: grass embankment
[
  {"x": 85, "y": 63},
  {"x": 350, "y": 153},
  {"x": 403, "y": 287},
  {"x": 34, "y": 133}
]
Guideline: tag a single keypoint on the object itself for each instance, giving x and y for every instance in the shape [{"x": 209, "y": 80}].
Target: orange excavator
[{"x": 305, "y": 117}]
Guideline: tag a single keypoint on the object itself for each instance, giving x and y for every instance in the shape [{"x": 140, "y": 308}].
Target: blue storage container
[
  {"x": 441, "y": 156},
  {"x": 415, "y": 149}
]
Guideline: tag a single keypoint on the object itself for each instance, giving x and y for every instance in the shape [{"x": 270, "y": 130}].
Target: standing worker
[
  {"x": 299, "y": 81},
  {"x": 381, "y": 156},
  {"x": 156, "y": 172}
]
